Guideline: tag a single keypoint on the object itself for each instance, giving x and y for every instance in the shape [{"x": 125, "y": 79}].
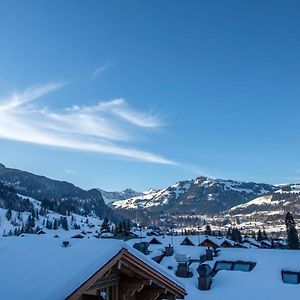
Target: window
[
  {"x": 223, "y": 266},
  {"x": 245, "y": 267},
  {"x": 290, "y": 277}
]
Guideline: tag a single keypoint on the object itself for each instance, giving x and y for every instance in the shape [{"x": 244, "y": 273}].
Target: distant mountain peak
[
  {"x": 200, "y": 195},
  {"x": 116, "y": 196},
  {"x": 2, "y": 166}
]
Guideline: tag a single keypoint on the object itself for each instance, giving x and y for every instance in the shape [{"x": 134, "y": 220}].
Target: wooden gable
[
  {"x": 126, "y": 277},
  {"x": 209, "y": 243},
  {"x": 187, "y": 242}
]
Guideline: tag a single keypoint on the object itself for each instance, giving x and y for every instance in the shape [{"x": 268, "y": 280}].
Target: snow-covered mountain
[
  {"x": 59, "y": 196},
  {"x": 282, "y": 200},
  {"x": 200, "y": 195},
  {"x": 109, "y": 197}
]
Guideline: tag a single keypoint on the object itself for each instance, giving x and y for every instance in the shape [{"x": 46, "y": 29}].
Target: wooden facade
[
  {"x": 209, "y": 243},
  {"x": 187, "y": 242},
  {"x": 126, "y": 277}
]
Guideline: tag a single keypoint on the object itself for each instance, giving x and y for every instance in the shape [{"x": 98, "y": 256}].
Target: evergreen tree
[
  {"x": 8, "y": 214},
  {"x": 117, "y": 229},
  {"x": 20, "y": 216},
  {"x": 236, "y": 235},
  {"x": 208, "y": 230},
  {"x": 265, "y": 235},
  {"x": 259, "y": 236},
  {"x": 48, "y": 224},
  {"x": 228, "y": 233},
  {"x": 55, "y": 226},
  {"x": 105, "y": 227},
  {"x": 30, "y": 222},
  {"x": 64, "y": 223},
  {"x": 128, "y": 227},
  {"x": 289, "y": 220},
  {"x": 293, "y": 239},
  {"x": 292, "y": 234}
]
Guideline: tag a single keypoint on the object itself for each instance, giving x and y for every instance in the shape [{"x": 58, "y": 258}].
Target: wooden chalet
[
  {"x": 78, "y": 236},
  {"x": 265, "y": 244},
  {"x": 227, "y": 244},
  {"x": 126, "y": 277},
  {"x": 209, "y": 243},
  {"x": 187, "y": 242},
  {"x": 155, "y": 241},
  {"x": 86, "y": 269}
]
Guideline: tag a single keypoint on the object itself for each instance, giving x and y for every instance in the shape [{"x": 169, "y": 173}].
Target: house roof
[
  {"x": 42, "y": 269},
  {"x": 263, "y": 282}
]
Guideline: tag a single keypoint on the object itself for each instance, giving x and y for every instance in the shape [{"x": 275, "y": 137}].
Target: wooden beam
[
  {"x": 151, "y": 293},
  {"x": 134, "y": 286},
  {"x": 160, "y": 279},
  {"x": 140, "y": 272}
]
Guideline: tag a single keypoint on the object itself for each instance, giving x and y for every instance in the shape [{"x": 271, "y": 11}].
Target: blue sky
[{"x": 140, "y": 94}]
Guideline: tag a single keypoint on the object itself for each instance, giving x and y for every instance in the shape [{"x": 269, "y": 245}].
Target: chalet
[
  {"x": 251, "y": 243},
  {"x": 187, "y": 242},
  {"x": 142, "y": 247},
  {"x": 265, "y": 244},
  {"x": 239, "y": 245},
  {"x": 155, "y": 241},
  {"x": 227, "y": 244},
  {"x": 279, "y": 244},
  {"x": 41, "y": 231},
  {"x": 78, "y": 236},
  {"x": 86, "y": 270},
  {"x": 209, "y": 243}
]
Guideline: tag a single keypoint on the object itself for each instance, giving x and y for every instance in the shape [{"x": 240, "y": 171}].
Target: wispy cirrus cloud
[
  {"x": 121, "y": 109},
  {"x": 30, "y": 94},
  {"x": 98, "y": 71},
  {"x": 96, "y": 128}
]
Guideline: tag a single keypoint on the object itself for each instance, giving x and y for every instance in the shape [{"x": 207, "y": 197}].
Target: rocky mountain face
[
  {"x": 109, "y": 197},
  {"x": 59, "y": 196},
  {"x": 199, "y": 196}
]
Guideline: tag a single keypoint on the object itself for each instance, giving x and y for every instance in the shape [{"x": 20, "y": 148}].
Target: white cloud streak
[
  {"x": 98, "y": 71},
  {"x": 28, "y": 95},
  {"x": 98, "y": 128}
]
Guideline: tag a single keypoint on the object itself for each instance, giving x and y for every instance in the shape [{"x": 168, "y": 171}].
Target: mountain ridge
[
  {"x": 200, "y": 195},
  {"x": 61, "y": 195}
]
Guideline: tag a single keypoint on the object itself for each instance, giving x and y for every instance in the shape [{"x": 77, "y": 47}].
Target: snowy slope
[
  {"x": 66, "y": 195},
  {"x": 19, "y": 220}
]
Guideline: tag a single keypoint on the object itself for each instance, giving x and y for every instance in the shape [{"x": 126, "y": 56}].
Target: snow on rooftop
[
  {"x": 39, "y": 268},
  {"x": 263, "y": 282}
]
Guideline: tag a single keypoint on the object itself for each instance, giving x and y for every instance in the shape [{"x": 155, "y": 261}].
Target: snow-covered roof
[
  {"x": 39, "y": 268},
  {"x": 263, "y": 282}
]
